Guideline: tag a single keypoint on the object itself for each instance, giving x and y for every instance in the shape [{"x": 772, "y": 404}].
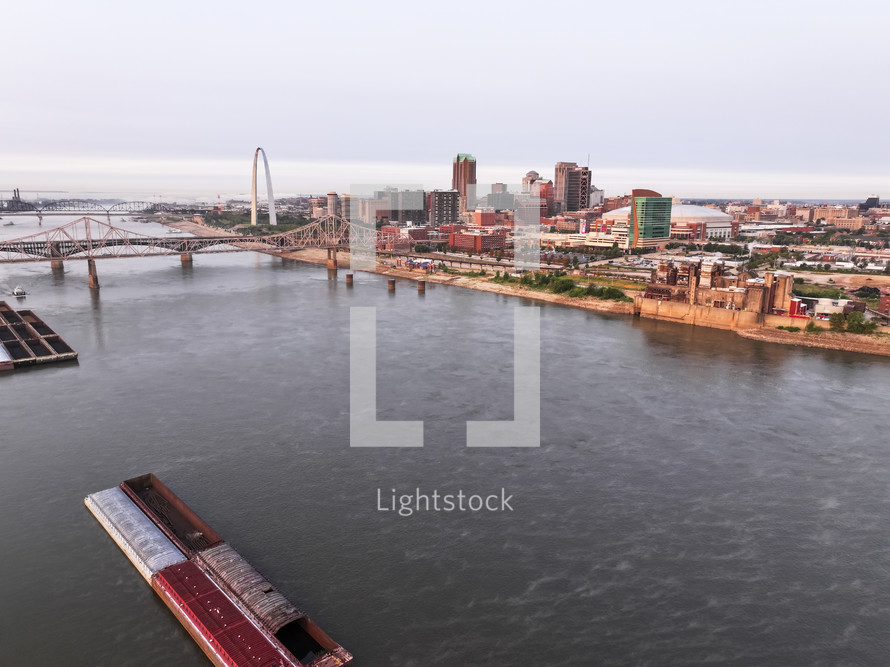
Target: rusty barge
[
  {"x": 25, "y": 340},
  {"x": 231, "y": 611}
]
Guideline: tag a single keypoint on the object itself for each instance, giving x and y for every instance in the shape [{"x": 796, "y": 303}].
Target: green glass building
[{"x": 650, "y": 217}]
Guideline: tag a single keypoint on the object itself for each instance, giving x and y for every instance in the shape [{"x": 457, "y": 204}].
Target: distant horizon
[
  {"x": 206, "y": 178},
  {"x": 92, "y": 195}
]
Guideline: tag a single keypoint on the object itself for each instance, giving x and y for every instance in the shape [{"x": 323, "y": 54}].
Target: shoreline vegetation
[{"x": 561, "y": 290}]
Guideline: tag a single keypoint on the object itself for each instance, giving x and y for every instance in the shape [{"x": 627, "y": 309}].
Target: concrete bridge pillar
[
  {"x": 186, "y": 258},
  {"x": 57, "y": 265},
  {"x": 332, "y": 258},
  {"x": 93, "y": 276}
]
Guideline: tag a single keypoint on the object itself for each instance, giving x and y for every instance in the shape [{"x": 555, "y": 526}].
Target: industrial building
[{"x": 707, "y": 284}]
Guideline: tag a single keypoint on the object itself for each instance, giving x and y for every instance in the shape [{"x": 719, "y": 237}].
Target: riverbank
[
  {"x": 587, "y": 303},
  {"x": 825, "y": 339},
  {"x": 828, "y": 340}
]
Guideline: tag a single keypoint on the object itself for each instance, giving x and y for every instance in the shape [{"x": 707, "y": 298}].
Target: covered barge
[
  {"x": 25, "y": 340},
  {"x": 231, "y": 611}
]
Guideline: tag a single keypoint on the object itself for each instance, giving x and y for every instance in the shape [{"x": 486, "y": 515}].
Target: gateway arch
[{"x": 272, "y": 219}]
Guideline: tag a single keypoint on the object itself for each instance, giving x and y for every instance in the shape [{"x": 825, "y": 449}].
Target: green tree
[
  {"x": 856, "y": 323},
  {"x": 836, "y": 322}
]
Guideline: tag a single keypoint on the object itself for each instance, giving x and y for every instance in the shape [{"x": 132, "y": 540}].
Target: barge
[
  {"x": 25, "y": 340},
  {"x": 231, "y": 611}
]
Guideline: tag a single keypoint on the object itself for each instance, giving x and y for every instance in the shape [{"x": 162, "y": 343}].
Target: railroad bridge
[
  {"x": 90, "y": 239},
  {"x": 68, "y": 206}
]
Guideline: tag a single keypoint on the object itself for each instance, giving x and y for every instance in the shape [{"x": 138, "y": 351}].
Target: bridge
[
  {"x": 67, "y": 206},
  {"x": 90, "y": 239}
]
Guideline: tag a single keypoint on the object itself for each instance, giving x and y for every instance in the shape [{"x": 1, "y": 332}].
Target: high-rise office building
[
  {"x": 542, "y": 189},
  {"x": 500, "y": 198},
  {"x": 872, "y": 202},
  {"x": 529, "y": 178},
  {"x": 463, "y": 179},
  {"x": 595, "y": 198},
  {"x": 407, "y": 206},
  {"x": 571, "y": 191},
  {"x": 444, "y": 207},
  {"x": 333, "y": 207},
  {"x": 346, "y": 207},
  {"x": 650, "y": 219}
]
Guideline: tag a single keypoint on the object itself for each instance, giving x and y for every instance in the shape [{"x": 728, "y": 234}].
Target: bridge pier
[
  {"x": 186, "y": 258},
  {"x": 93, "y": 276},
  {"x": 57, "y": 265},
  {"x": 332, "y": 258}
]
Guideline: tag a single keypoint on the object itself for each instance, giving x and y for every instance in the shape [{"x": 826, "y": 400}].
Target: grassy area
[
  {"x": 614, "y": 282},
  {"x": 819, "y": 292},
  {"x": 559, "y": 283},
  {"x": 230, "y": 219}
]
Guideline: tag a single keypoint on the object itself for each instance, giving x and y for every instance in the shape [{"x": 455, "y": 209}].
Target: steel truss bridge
[
  {"x": 83, "y": 206},
  {"x": 91, "y": 239}
]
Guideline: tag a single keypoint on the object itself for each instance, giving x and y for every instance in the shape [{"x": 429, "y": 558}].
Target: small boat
[
  {"x": 19, "y": 291},
  {"x": 8, "y": 224}
]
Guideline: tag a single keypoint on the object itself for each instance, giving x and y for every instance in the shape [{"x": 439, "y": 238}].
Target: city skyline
[{"x": 690, "y": 99}]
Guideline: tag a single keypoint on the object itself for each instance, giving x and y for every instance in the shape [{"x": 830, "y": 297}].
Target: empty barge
[
  {"x": 231, "y": 611},
  {"x": 26, "y": 340}
]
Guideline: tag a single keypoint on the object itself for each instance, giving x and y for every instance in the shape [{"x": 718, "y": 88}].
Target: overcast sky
[{"x": 783, "y": 98}]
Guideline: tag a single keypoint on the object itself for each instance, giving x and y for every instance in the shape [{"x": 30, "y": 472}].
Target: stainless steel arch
[{"x": 272, "y": 219}]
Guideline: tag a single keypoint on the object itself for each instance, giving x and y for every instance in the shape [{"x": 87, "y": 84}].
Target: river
[{"x": 697, "y": 497}]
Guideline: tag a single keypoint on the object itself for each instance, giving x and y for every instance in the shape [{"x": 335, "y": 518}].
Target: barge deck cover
[
  {"x": 146, "y": 546},
  {"x": 260, "y": 598}
]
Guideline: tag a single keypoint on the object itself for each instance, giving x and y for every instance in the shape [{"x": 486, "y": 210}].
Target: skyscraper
[
  {"x": 529, "y": 178},
  {"x": 333, "y": 203},
  {"x": 571, "y": 191},
  {"x": 444, "y": 207},
  {"x": 463, "y": 179},
  {"x": 650, "y": 219},
  {"x": 346, "y": 207}
]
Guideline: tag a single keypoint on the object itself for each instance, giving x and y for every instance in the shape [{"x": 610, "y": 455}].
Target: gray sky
[{"x": 780, "y": 98}]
